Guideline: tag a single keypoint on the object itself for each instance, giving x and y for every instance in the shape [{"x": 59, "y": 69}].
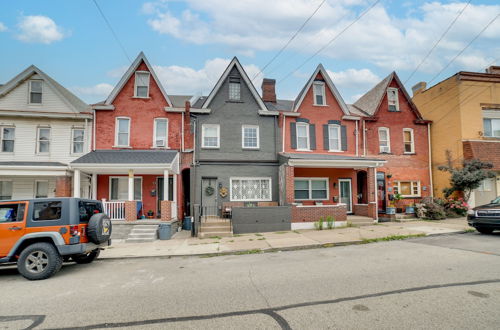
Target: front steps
[
  {"x": 215, "y": 227},
  {"x": 142, "y": 234},
  {"x": 358, "y": 220}
]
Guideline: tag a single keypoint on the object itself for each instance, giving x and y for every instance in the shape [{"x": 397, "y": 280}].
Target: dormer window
[
  {"x": 319, "y": 93},
  {"x": 392, "y": 99},
  {"x": 142, "y": 84},
  {"x": 35, "y": 96},
  {"x": 234, "y": 89}
]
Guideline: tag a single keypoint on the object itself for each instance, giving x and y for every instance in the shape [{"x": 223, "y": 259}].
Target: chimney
[
  {"x": 269, "y": 90},
  {"x": 419, "y": 88},
  {"x": 494, "y": 69}
]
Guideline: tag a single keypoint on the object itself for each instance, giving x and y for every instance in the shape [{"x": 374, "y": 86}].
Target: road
[{"x": 440, "y": 282}]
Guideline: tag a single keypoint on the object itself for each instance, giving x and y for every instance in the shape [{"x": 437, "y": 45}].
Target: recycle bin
[
  {"x": 186, "y": 224},
  {"x": 164, "y": 231}
]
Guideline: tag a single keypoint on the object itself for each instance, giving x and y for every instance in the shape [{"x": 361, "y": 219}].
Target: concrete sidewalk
[{"x": 182, "y": 244}]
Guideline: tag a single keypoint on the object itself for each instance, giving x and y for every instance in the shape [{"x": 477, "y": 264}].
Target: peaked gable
[{"x": 128, "y": 74}]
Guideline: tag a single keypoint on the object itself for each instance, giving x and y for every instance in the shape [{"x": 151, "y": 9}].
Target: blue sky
[{"x": 190, "y": 42}]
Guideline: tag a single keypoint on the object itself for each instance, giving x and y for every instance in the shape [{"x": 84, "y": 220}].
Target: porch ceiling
[{"x": 331, "y": 161}]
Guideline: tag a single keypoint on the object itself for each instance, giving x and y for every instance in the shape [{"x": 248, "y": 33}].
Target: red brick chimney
[{"x": 269, "y": 90}]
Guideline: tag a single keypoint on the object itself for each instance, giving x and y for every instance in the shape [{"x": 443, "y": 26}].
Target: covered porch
[{"x": 133, "y": 184}]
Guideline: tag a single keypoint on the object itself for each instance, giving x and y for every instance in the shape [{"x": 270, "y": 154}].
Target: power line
[
  {"x": 289, "y": 41},
  {"x": 460, "y": 52},
  {"x": 437, "y": 43},
  {"x": 331, "y": 40},
  {"x": 112, "y": 31}
]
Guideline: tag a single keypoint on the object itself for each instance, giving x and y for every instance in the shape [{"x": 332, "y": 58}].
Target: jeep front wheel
[
  {"x": 86, "y": 258},
  {"x": 39, "y": 261}
]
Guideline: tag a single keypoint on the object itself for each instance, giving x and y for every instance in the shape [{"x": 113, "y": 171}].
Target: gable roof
[
  {"x": 329, "y": 83},
  {"x": 75, "y": 104},
  {"x": 126, "y": 76},
  {"x": 370, "y": 101},
  {"x": 215, "y": 90}
]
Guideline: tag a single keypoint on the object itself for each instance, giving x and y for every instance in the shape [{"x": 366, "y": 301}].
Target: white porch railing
[{"x": 114, "y": 210}]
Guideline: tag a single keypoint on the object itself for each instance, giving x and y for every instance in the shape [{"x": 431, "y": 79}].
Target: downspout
[
  {"x": 357, "y": 138},
  {"x": 182, "y": 133},
  {"x": 93, "y": 131},
  {"x": 375, "y": 192},
  {"x": 364, "y": 139},
  {"x": 430, "y": 158},
  {"x": 283, "y": 137}
]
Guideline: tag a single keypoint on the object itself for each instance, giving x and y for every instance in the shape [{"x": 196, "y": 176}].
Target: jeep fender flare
[{"x": 54, "y": 236}]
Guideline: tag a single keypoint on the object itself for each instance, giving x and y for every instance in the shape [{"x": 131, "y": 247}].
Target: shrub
[
  {"x": 330, "y": 222},
  {"x": 432, "y": 209},
  {"x": 456, "y": 207},
  {"x": 319, "y": 224}
]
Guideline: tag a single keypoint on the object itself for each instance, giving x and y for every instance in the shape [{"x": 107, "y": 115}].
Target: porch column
[
  {"x": 165, "y": 185},
  {"x": 76, "y": 183},
  {"x": 289, "y": 184},
  {"x": 130, "y": 185},
  {"x": 174, "y": 192},
  {"x": 94, "y": 186},
  {"x": 165, "y": 204},
  {"x": 372, "y": 192}
]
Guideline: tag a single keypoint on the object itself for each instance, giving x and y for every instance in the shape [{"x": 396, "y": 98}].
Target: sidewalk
[{"x": 182, "y": 244}]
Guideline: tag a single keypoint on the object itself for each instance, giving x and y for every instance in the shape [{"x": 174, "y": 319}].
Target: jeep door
[{"x": 12, "y": 224}]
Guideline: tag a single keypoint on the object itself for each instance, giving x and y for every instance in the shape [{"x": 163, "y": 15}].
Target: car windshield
[{"x": 496, "y": 200}]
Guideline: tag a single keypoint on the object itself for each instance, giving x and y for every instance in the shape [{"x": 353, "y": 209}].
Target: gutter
[{"x": 430, "y": 158}]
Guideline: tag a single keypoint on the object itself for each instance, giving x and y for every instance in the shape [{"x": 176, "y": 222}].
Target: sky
[{"x": 189, "y": 43}]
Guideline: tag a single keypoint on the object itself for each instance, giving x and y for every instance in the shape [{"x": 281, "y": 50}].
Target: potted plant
[
  {"x": 397, "y": 197},
  {"x": 410, "y": 209},
  {"x": 391, "y": 209},
  {"x": 150, "y": 214}
]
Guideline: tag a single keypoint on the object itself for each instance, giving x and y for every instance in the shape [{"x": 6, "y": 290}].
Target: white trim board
[{"x": 310, "y": 225}]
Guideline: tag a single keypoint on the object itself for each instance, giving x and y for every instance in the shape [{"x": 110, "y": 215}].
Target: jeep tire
[
  {"x": 484, "y": 230},
  {"x": 86, "y": 258},
  {"x": 39, "y": 261},
  {"x": 99, "y": 228}
]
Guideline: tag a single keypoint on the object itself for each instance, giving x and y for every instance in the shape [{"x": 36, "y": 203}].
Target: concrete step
[
  {"x": 152, "y": 227},
  {"x": 215, "y": 223},
  {"x": 133, "y": 235},
  {"x": 140, "y": 240},
  {"x": 214, "y": 234},
  {"x": 138, "y": 231}
]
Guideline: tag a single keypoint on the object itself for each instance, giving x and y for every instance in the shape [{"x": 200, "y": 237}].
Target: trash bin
[
  {"x": 164, "y": 231},
  {"x": 186, "y": 224}
]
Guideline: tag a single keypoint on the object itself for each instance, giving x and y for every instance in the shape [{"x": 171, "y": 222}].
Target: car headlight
[{"x": 471, "y": 212}]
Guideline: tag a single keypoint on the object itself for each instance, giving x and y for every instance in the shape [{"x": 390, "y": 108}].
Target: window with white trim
[
  {"x": 250, "y": 136},
  {"x": 384, "y": 140},
  {"x": 487, "y": 184},
  {"x": 407, "y": 188},
  {"x": 319, "y": 93},
  {"x": 311, "y": 189},
  {"x": 250, "y": 189},
  {"x": 408, "y": 140},
  {"x": 5, "y": 190},
  {"x": 122, "y": 138},
  {"x": 161, "y": 133},
  {"x": 334, "y": 141},
  {"x": 118, "y": 188},
  {"x": 302, "y": 136},
  {"x": 41, "y": 189},
  {"x": 78, "y": 140},
  {"x": 210, "y": 136},
  {"x": 234, "y": 89},
  {"x": 35, "y": 91},
  {"x": 8, "y": 136},
  {"x": 43, "y": 143},
  {"x": 393, "y": 99},
  {"x": 491, "y": 127},
  {"x": 141, "y": 84}
]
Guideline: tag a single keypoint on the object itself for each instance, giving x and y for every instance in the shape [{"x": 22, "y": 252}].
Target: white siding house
[{"x": 43, "y": 127}]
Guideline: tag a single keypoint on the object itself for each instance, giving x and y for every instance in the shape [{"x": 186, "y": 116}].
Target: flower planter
[
  {"x": 410, "y": 210},
  {"x": 390, "y": 210}
]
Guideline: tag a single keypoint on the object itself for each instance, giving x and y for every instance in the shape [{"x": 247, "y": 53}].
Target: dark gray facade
[{"x": 261, "y": 219}]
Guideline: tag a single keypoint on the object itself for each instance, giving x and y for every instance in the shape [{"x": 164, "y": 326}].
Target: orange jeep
[{"x": 39, "y": 234}]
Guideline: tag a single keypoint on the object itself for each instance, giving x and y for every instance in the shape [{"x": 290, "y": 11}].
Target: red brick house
[{"x": 139, "y": 139}]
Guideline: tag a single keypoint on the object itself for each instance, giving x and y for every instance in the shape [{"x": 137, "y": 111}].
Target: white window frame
[
  {"x": 136, "y": 84},
  {"x": 2, "y": 139},
  {"x": 484, "y": 188},
  {"x": 125, "y": 177},
  {"x": 396, "y": 90},
  {"x": 310, "y": 188},
  {"x": 11, "y": 188},
  {"x": 38, "y": 139},
  {"x": 306, "y": 125},
  {"x": 388, "y": 146},
  {"x": 29, "y": 91},
  {"x": 269, "y": 179},
  {"x": 203, "y": 126},
  {"x": 155, "y": 130},
  {"x": 412, "y": 141},
  {"x": 36, "y": 186},
  {"x": 243, "y": 127},
  {"x": 413, "y": 184},
  {"x": 339, "y": 129},
  {"x": 229, "y": 88},
  {"x": 117, "y": 129},
  {"x": 73, "y": 140},
  {"x": 323, "y": 94},
  {"x": 491, "y": 125}
]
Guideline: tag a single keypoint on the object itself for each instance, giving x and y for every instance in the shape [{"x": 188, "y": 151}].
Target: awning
[
  {"x": 20, "y": 168},
  {"x": 329, "y": 161}
]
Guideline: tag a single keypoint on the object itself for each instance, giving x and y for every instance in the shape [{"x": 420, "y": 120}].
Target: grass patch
[
  {"x": 231, "y": 241},
  {"x": 215, "y": 237},
  {"x": 390, "y": 238},
  {"x": 280, "y": 232},
  {"x": 237, "y": 235},
  {"x": 469, "y": 230},
  {"x": 296, "y": 232},
  {"x": 260, "y": 239},
  {"x": 258, "y": 234},
  {"x": 254, "y": 251},
  {"x": 251, "y": 239}
]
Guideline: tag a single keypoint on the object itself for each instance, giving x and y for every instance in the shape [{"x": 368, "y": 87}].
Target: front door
[
  {"x": 12, "y": 225},
  {"x": 209, "y": 196},
  {"x": 381, "y": 191},
  {"x": 160, "y": 197},
  {"x": 345, "y": 193}
]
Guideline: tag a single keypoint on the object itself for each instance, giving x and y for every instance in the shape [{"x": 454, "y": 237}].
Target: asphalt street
[{"x": 440, "y": 282}]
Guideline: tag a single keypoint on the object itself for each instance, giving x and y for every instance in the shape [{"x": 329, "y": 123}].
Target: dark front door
[
  {"x": 381, "y": 191},
  {"x": 209, "y": 196},
  {"x": 159, "y": 185}
]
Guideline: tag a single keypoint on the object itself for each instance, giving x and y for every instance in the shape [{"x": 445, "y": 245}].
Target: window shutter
[
  {"x": 326, "y": 136},
  {"x": 343, "y": 137},
  {"x": 293, "y": 135},
  {"x": 312, "y": 136}
]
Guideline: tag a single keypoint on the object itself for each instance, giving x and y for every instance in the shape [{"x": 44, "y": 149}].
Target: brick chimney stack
[
  {"x": 494, "y": 69},
  {"x": 419, "y": 88},
  {"x": 269, "y": 90}
]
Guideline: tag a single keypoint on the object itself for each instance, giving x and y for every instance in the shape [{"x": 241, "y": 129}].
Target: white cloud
[
  {"x": 353, "y": 78},
  {"x": 93, "y": 93},
  {"x": 39, "y": 29},
  {"x": 2, "y": 27}
]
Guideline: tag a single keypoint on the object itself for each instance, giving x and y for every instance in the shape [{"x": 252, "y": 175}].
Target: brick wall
[
  {"x": 63, "y": 186},
  {"x": 130, "y": 211},
  {"x": 166, "y": 210},
  {"x": 290, "y": 186},
  {"x": 485, "y": 151},
  {"x": 313, "y": 213},
  {"x": 361, "y": 209}
]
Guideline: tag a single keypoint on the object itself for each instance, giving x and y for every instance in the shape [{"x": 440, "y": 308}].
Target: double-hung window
[
  {"x": 491, "y": 127},
  {"x": 250, "y": 189},
  {"x": 334, "y": 140},
  {"x": 35, "y": 91},
  {"x": 407, "y": 188},
  {"x": 384, "y": 140},
  {"x": 210, "y": 135},
  {"x": 8, "y": 137},
  {"x": 408, "y": 139},
  {"x": 5, "y": 190},
  {"x": 43, "y": 143},
  {"x": 122, "y": 132},
  {"x": 119, "y": 188},
  {"x": 161, "y": 133},
  {"x": 302, "y": 136},
  {"x": 319, "y": 93},
  {"x": 250, "y": 136},
  {"x": 311, "y": 189},
  {"x": 392, "y": 99},
  {"x": 234, "y": 89},
  {"x": 78, "y": 140},
  {"x": 142, "y": 84},
  {"x": 41, "y": 189}
]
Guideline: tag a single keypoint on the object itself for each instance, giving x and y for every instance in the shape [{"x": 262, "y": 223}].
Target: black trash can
[
  {"x": 186, "y": 224},
  {"x": 164, "y": 231}
]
